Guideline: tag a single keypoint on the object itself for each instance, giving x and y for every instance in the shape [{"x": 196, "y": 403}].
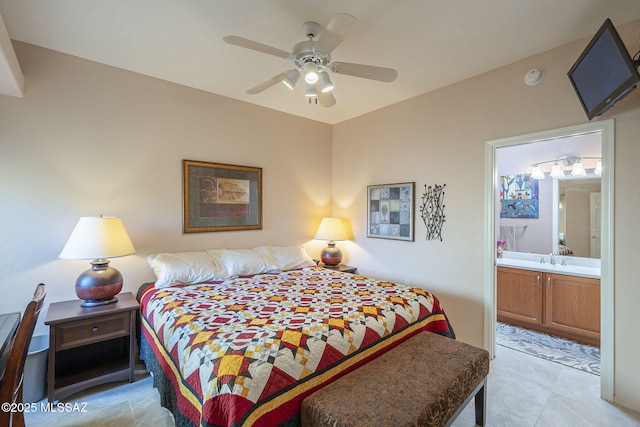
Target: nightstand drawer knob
[{"x": 94, "y": 330}]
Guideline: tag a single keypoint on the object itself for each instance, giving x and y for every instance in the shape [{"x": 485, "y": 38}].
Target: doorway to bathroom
[{"x": 493, "y": 204}]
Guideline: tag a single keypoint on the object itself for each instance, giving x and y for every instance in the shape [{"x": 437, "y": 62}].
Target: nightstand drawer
[{"x": 88, "y": 331}]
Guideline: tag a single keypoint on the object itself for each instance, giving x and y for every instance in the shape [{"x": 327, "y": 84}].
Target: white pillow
[
  {"x": 286, "y": 257},
  {"x": 242, "y": 262},
  {"x": 184, "y": 267}
]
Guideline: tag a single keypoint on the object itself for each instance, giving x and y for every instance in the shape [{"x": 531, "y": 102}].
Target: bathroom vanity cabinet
[{"x": 559, "y": 304}]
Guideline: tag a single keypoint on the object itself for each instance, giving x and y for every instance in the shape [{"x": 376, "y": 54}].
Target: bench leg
[
  {"x": 481, "y": 404},
  {"x": 479, "y": 394}
]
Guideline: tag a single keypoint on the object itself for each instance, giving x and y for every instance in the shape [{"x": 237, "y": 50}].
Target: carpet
[{"x": 560, "y": 350}]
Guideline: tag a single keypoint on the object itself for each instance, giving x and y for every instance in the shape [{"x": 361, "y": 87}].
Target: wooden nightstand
[
  {"x": 90, "y": 345},
  {"x": 342, "y": 268}
]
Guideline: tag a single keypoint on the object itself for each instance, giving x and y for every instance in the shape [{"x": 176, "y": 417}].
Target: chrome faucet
[
  {"x": 552, "y": 260},
  {"x": 541, "y": 260}
]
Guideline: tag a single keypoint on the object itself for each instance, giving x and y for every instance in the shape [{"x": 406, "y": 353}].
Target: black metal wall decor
[{"x": 432, "y": 210}]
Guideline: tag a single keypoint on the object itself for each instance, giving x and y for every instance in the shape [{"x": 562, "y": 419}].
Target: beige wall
[
  {"x": 439, "y": 138},
  {"x": 89, "y": 139}
]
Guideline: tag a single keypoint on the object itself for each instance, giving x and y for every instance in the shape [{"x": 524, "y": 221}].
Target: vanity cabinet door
[
  {"x": 519, "y": 296},
  {"x": 572, "y": 306}
]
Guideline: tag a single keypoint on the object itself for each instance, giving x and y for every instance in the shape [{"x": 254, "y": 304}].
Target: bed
[{"x": 247, "y": 349}]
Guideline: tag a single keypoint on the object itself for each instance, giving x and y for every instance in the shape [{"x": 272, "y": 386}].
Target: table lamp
[
  {"x": 331, "y": 229},
  {"x": 96, "y": 239}
]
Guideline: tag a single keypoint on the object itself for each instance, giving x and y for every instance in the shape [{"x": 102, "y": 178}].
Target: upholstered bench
[{"x": 425, "y": 381}]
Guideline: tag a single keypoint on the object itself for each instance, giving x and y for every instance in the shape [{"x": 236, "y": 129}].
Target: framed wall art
[
  {"x": 518, "y": 196},
  {"x": 390, "y": 211},
  {"x": 220, "y": 197}
]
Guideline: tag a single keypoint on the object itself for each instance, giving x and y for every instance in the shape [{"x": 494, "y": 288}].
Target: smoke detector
[{"x": 534, "y": 76}]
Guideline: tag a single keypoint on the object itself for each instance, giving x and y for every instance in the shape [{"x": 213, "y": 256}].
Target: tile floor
[
  {"x": 526, "y": 391},
  {"x": 523, "y": 391}
]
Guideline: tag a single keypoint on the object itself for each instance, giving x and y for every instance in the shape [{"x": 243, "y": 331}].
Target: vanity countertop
[{"x": 575, "y": 266}]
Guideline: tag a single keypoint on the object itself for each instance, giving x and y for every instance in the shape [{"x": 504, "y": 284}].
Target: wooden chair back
[{"x": 11, "y": 385}]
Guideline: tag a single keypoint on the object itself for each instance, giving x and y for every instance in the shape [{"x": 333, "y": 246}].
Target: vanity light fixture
[
  {"x": 598, "y": 170},
  {"x": 536, "y": 172},
  {"x": 577, "y": 168},
  {"x": 556, "y": 171}
]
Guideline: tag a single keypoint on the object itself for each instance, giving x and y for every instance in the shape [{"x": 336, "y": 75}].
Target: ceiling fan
[{"x": 312, "y": 59}]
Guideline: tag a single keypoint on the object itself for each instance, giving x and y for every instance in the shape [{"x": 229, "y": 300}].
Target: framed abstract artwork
[
  {"x": 518, "y": 196},
  {"x": 220, "y": 197},
  {"x": 390, "y": 211}
]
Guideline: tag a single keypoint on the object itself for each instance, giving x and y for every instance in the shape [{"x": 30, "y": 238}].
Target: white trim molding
[{"x": 607, "y": 343}]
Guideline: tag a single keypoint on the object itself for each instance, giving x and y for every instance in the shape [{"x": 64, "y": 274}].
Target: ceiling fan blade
[
  {"x": 250, "y": 44},
  {"x": 326, "y": 99},
  {"x": 268, "y": 83},
  {"x": 365, "y": 71},
  {"x": 335, "y": 32}
]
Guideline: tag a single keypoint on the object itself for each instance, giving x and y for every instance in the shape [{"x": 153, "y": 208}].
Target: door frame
[{"x": 607, "y": 129}]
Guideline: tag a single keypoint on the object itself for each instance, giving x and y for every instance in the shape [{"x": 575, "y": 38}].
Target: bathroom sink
[{"x": 536, "y": 265}]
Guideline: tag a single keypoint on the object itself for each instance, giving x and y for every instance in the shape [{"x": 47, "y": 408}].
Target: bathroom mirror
[
  {"x": 541, "y": 234},
  {"x": 576, "y": 217}
]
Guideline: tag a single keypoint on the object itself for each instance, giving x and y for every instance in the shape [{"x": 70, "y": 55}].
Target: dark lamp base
[
  {"x": 99, "y": 302},
  {"x": 331, "y": 256},
  {"x": 99, "y": 285}
]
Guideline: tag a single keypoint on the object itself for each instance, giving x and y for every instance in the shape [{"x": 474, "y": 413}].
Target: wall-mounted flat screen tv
[{"x": 604, "y": 73}]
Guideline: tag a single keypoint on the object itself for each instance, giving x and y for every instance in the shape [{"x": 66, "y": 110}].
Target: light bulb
[{"x": 310, "y": 72}]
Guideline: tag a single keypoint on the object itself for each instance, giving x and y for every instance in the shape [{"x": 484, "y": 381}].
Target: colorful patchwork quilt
[{"x": 248, "y": 350}]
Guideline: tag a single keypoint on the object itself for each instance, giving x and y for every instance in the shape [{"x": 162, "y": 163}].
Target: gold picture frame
[{"x": 221, "y": 197}]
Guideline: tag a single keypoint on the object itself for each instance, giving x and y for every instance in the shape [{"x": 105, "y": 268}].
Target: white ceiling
[{"x": 431, "y": 43}]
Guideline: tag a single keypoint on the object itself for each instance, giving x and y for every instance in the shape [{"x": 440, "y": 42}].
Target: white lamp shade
[
  {"x": 98, "y": 238},
  {"x": 598, "y": 170},
  {"x": 536, "y": 172},
  {"x": 578, "y": 169},
  {"x": 556, "y": 171},
  {"x": 332, "y": 229}
]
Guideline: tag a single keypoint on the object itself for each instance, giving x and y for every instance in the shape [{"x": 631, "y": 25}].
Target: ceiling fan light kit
[
  {"x": 291, "y": 79},
  {"x": 325, "y": 82},
  {"x": 310, "y": 71},
  {"x": 312, "y": 58},
  {"x": 310, "y": 90}
]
